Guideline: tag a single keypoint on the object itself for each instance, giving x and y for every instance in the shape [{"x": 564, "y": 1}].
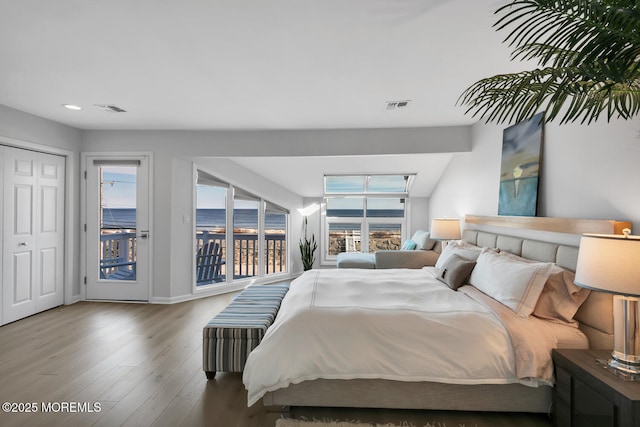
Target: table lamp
[
  {"x": 611, "y": 263},
  {"x": 445, "y": 229}
]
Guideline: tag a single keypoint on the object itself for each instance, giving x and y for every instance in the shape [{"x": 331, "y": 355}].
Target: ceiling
[
  {"x": 303, "y": 175},
  {"x": 246, "y": 64},
  {"x": 254, "y": 65}
]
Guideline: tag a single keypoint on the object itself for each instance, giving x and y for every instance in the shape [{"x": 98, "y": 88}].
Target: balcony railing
[
  {"x": 246, "y": 252},
  {"x": 118, "y": 253}
]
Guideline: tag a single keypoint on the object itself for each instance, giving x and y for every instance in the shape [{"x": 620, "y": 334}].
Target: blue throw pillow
[{"x": 408, "y": 245}]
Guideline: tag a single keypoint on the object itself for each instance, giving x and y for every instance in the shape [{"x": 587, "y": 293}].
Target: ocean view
[
  {"x": 243, "y": 218},
  {"x": 205, "y": 219}
]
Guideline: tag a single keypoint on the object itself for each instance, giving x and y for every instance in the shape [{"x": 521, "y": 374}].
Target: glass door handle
[{"x": 144, "y": 234}]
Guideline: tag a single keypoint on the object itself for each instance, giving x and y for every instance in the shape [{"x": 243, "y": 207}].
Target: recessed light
[{"x": 72, "y": 107}]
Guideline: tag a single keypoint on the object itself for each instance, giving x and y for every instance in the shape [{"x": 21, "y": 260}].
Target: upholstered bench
[
  {"x": 229, "y": 337},
  {"x": 355, "y": 260}
]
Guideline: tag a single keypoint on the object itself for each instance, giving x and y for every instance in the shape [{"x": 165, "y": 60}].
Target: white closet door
[
  {"x": 33, "y": 233},
  {"x": 50, "y": 232}
]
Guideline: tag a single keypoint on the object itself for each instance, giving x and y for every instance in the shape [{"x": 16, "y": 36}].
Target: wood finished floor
[{"x": 142, "y": 364}]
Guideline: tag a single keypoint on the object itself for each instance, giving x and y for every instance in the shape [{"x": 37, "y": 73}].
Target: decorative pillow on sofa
[
  {"x": 468, "y": 252},
  {"x": 456, "y": 271},
  {"x": 423, "y": 242},
  {"x": 514, "y": 282},
  {"x": 408, "y": 245},
  {"x": 560, "y": 298}
]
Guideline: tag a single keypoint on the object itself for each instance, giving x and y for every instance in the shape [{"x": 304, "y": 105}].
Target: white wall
[
  {"x": 28, "y": 131},
  {"x": 338, "y": 142},
  {"x": 418, "y": 215},
  {"x": 29, "y": 128},
  {"x": 174, "y": 154},
  {"x": 587, "y": 172},
  {"x": 173, "y": 150}
]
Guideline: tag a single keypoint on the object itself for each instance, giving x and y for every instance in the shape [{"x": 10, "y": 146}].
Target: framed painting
[{"x": 520, "y": 168}]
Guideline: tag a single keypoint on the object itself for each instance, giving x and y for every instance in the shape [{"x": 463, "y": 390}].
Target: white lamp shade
[
  {"x": 609, "y": 263},
  {"x": 445, "y": 229}
]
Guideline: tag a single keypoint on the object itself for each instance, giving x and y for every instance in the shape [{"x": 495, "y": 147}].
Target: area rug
[{"x": 286, "y": 422}]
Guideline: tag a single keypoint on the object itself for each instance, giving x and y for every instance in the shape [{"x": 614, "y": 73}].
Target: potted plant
[{"x": 307, "y": 249}]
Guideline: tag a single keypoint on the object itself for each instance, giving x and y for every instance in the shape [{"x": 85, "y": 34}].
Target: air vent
[
  {"x": 110, "y": 108},
  {"x": 394, "y": 105}
]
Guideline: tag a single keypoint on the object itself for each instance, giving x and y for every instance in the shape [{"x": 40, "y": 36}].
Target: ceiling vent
[
  {"x": 395, "y": 105},
  {"x": 110, "y": 108}
]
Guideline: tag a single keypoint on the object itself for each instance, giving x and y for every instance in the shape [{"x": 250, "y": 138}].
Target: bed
[{"x": 490, "y": 363}]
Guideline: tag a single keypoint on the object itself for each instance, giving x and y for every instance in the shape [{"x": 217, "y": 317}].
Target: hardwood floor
[{"x": 141, "y": 365}]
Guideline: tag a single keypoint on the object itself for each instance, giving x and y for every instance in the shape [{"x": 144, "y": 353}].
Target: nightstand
[{"x": 587, "y": 394}]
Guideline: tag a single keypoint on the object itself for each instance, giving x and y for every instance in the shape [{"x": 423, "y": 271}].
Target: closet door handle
[{"x": 23, "y": 244}]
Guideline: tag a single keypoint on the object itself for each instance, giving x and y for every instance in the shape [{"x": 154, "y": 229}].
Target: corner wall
[{"x": 587, "y": 172}]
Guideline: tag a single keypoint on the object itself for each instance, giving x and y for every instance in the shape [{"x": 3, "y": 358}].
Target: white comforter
[{"x": 389, "y": 324}]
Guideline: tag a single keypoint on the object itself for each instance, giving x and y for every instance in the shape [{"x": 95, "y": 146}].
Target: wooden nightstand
[{"x": 587, "y": 394}]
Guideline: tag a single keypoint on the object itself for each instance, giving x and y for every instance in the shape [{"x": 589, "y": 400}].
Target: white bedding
[{"x": 396, "y": 324}]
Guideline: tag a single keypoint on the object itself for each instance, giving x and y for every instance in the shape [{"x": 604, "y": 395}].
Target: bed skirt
[{"x": 363, "y": 393}]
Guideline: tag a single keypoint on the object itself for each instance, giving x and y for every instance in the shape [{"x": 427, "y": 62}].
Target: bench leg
[{"x": 210, "y": 374}]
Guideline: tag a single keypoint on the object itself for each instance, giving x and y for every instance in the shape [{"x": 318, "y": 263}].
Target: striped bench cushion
[
  {"x": 259, "y": 293},
  {"x": 229, "y": 337}
]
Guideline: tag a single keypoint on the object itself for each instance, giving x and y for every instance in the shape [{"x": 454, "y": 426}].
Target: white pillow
[
  {"x": 515, "y": 283},
  {"x": 423, "y": 242},
  {"x": 468, "y": 252}
]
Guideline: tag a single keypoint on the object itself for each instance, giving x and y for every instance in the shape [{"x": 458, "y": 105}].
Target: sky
[
  {"x": 119, "y": 186},
  {"x": 119, "y": 191}
]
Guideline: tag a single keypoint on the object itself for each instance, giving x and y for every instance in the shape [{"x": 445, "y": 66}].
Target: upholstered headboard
[{"x": 595, "y": 315}]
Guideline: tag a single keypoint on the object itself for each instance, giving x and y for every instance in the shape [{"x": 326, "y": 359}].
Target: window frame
[
  {"x": 263, "y": 204},
  {"x": 408, "y": 177},
  {"x": 365, "y": 220}
]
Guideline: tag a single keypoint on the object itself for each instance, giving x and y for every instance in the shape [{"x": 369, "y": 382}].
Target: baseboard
[
  {"x": 74, "y": 299},
  {"x": 203, "y": 294},
  {"x": 217, "y": 290}
]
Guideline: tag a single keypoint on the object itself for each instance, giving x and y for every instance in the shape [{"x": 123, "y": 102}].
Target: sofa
[{"x": 417, "y": 252}]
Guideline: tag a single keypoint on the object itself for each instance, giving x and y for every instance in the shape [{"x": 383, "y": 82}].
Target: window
[
  {"x": 245, "y": 234},
  {"x": 385, "y": 218},
  {"x": 368, "y": 184},
  {"x": 256, "y": 247},
  {"x": 364, "y": 213},
  {"x": 345, "y": 224},
  {"x": 275, "y": 239},
  {"x": 211, "y": 230}
]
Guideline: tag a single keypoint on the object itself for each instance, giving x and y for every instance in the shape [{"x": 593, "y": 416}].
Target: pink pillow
[{"x": 560, "y": 298}]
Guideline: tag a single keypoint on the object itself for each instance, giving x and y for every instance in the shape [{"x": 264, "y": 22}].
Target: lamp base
[
  {"x": 625, "y": 358},
  {"x": 623, "y": 370}
]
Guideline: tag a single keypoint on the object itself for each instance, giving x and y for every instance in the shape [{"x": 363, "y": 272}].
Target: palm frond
[
  {"x": 561, "y": 92},
  {"x": 591, "y": 28},
  {"x": 588, "y": 52}
]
